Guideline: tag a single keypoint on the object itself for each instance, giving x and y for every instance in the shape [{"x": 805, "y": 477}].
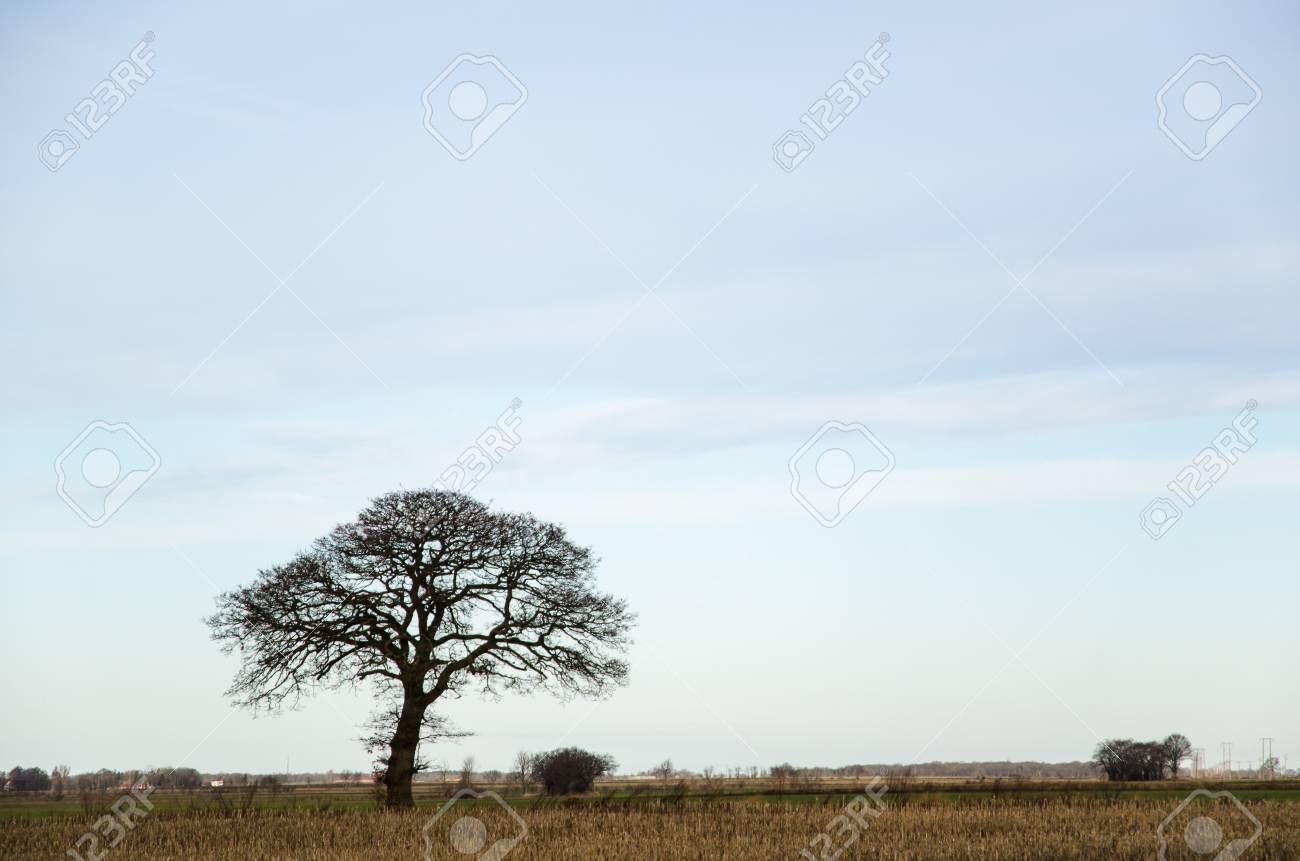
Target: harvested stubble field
[{"x": 982, "y": 830}]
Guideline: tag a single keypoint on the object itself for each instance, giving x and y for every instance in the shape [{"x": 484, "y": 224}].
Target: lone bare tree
[
  {"x": 425, "y": 594},
  {"x": 466, "y": 778},
  {"x": 1177, "y": 748},
  {"x": 523, "y": 768}
]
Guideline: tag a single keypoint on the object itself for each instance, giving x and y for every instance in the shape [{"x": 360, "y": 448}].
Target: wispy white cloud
[
  {"x": 1064, "y": 481},
  {"x": 693, "y": 459},
  {"x": 1002, "y": 405}
]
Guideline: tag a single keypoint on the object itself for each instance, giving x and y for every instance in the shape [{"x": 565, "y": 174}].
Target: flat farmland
[{"x": 967, "y": 820}]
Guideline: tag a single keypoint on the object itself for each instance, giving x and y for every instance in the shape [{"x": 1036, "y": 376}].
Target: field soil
[{"x": 976, "y": 829}]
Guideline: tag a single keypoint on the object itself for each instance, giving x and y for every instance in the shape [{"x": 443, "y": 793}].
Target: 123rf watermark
[
  {"x": 469, "y": 835},
  {"x": 1203, "y": 102},
  {"x": 491, "y": 446},
  {"x": 825, "y": 114},
  {"x": 469, "y": 101},
  {"x": 102, "y": 468},
  {"x": 847, "y": 828},
  {"x": 111, "y": 828},
  {"x": 1206, "y": 469},
  {"x": 105, "y": 100},
  {"x": 1207, "y": 825},
  {"x": 836, "y": 468}
]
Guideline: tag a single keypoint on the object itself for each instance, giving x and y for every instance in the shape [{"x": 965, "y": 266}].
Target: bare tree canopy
[
  {"x": 426, "y": 593},
  {"x": 1177, "y": 749},
  {"x": 1125, "y": 759},
  {"x": 570, "y": 770}
]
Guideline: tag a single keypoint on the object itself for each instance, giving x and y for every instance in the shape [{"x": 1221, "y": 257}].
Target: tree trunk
[{"x": 401, "y": 756}]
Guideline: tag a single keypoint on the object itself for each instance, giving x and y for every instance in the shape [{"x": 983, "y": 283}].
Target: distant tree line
[
  {"x": 785, "y": 772},
  {"x": 21, "y": 779},
  {"x": 525, "y": 774},
  {"x": 60, "y": 779},
  {"x": 990, "y": 769},
  {"x": 572, "y": 770},
  {"x": 170, "y": 778}
]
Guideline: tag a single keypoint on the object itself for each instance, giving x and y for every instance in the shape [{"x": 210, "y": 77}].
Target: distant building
[{"x": 217, "y": 783}]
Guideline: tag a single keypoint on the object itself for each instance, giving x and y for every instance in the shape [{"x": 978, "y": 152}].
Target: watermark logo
[
  {"x": 470, "y": 101},
  {"x": 102, "y": 468},
  {"x": 455, "y": 825},
  {"x": 836, "y": 468},
  {"x": 106, "y": 99},
  {"x": 1191, "y": 828},
  {"x": 825, "y": 114},
  {"x": 111, "y": 828},
  {"x": 791, "y": 149},
  {"x": 1159, "y": 516},
  {"x": 491, "y": 446},
  {"x": 847, "y": 828},
  {"x": 1206, "y": 469},
  {"x": 56, "y": 148},
  {"x": 1203, "y": 101}
]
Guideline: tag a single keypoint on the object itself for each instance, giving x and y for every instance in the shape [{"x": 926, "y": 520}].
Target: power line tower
[
  {"x": 1266, "y": 758},
  {"x": 1198, "y": 761},
  {"x": 1227, "y": 758}
]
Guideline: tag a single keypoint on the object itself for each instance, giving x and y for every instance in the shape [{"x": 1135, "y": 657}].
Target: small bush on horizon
[{"x": 570, "y": 770}]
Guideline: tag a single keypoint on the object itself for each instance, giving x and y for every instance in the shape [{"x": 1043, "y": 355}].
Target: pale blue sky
[{"x": 658, "y": 428}]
